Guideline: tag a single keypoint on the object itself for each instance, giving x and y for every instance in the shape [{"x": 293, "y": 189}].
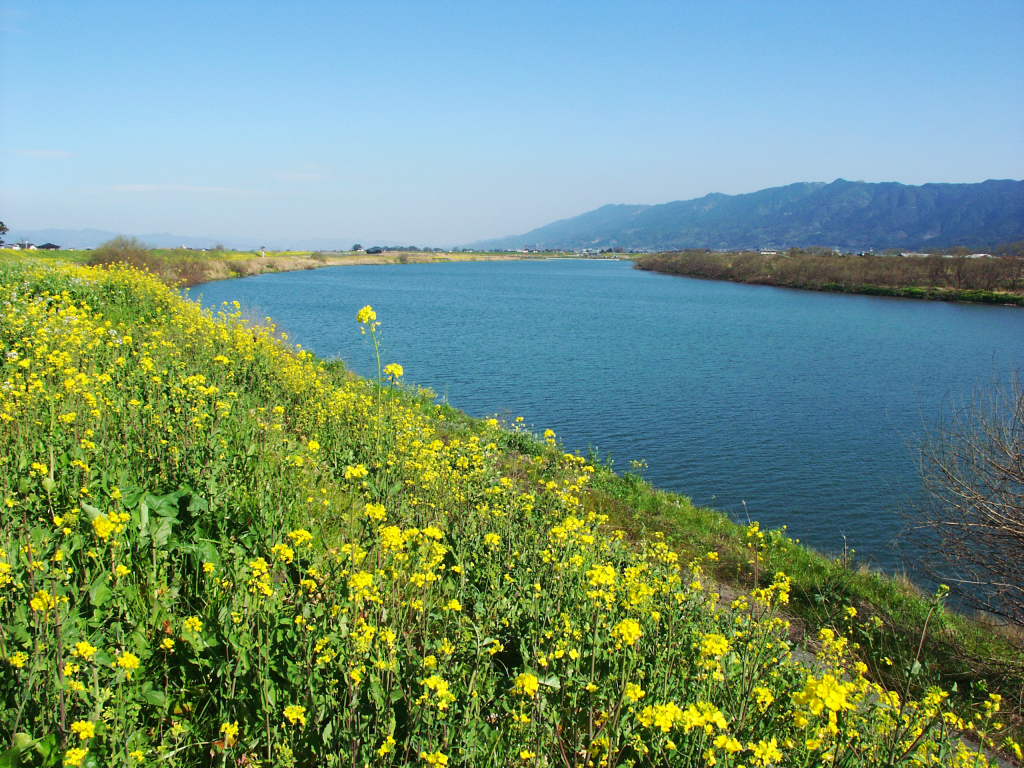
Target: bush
[
  {"x": 125, "y": 250},
  {"x": 973, "y": 471}
]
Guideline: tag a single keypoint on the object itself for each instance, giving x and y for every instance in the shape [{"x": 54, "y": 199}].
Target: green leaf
[
  {"x": 156, "y": 698},
  {"x": 551, "y": 681},
  {"x": 377, "y": 693},
  {"x": 47, "y": 746},
  {"x": 12, "y": 758},
  {"x": 99, "y": 591},
  {"x": 197, "y": 503},
  {"x": 143, "y": 519},
  {"x": 160, "y": 530}
]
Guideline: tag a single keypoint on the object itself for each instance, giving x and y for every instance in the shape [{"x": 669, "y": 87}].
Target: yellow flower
[
  {"x": 765, "y": 752},
  {"x": 728, "y": 743},
  {"x": 75, "y": 757},
  {"x": 313, "y": 446},
  {"x": 627, "y": 631},
  {"x": 193, "y": 624},
  {"x": 137, "y": 755},
  {"x": 103, "y": 527},
  {"x": 18, "y": 660},
  {"x": 634, "y": 693},
  {"x": 453, "y": 605},
  {"x": 375, "y": 511},
  {"x": 601, "y": 576},
  {"x": 361, "y": 584},
  {"x": 300, "y": 537},
  {"x": 129, "y": 662},
  {"x": 122, "y": 570},
  {"x": 441, "y": 691},
  {"x": 492, "y": 540},
  {"x": 434, "y": 758},
  {"x": 764, "y": 697},
  {"x": 826, "y": 693},
  {"x": 230, "y": 731},
  {"x": 209, "y": 567},
  {"x": 663, "y": 716},
  {"x": 294, "y": 713},
  {"x": 283, "y": 552},
  {"x": 527, "y": 684},
  {"x": 84, "y": 729},
  {"x": 43, "y": 601},
  {"x": 713, "y": 644},
  {"x": 704, "y": 715},
  {"x": 167, "y": 644},
  {"x": 85, "y": 650},
  {"x": 387, "y": 747},
  {"x": 366, "y": 315},
  {"x": 394, "y": 371}
]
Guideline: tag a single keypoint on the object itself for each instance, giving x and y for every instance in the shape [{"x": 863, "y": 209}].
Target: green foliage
[
  {"x": 218, "y": 550},
  {"x": 123, "y": 250}
]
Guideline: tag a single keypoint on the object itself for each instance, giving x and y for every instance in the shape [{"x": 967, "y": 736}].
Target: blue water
[{"x": 791, "y": 407}]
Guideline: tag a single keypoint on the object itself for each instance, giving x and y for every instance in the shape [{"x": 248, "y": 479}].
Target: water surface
[{"x": 791, "y": 407}]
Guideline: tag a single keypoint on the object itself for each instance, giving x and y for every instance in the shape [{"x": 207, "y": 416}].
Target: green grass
[
  {"x": 218, "y": 550},
  {"x": 969, "y": 656}
]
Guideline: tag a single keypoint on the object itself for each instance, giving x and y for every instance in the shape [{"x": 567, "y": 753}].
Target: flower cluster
[{"x": 218, "y": 549}]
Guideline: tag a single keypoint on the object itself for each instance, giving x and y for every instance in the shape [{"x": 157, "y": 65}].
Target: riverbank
[
  {"x": 189, "y": 267},
  {"x": 253, "y": 535},
  {"x": 987, "y": 280}
]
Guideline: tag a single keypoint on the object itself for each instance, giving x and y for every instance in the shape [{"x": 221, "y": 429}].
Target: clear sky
[{"x": 447, "y": 121}]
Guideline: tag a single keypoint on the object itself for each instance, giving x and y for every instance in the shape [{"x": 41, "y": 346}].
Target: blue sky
[{"x": 443, "y": 122}]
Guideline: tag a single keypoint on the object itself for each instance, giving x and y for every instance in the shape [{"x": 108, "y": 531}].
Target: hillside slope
[
  {"x": 218, "y": 550},
  {"x": 847, "y": 214}
]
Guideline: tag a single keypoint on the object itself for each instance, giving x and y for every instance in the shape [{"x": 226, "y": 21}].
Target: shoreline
[
  {"x": 187, "y": 270},
  {"x": 673, "y": 266}
]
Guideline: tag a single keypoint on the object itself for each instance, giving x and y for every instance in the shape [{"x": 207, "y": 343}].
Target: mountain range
[{"x": 852, "y": 215}]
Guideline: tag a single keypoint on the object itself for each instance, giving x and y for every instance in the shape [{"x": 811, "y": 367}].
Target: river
[{"x": 790, "y": 407}]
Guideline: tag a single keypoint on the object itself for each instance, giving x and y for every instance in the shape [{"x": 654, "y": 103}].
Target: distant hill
[{"x": 846, "y": 214}]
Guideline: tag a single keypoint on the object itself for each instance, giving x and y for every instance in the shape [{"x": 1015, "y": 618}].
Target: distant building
[{"x": 49, "y": 247}]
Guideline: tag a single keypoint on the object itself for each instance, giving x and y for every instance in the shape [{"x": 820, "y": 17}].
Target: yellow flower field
[{"x": 217, "y": 550}]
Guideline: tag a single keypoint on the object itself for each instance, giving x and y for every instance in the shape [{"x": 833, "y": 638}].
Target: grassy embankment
[
  {"x": 217, "y": 549},
  {"x": 997, "y": 280},
  {"x": 188, "y": 267}
]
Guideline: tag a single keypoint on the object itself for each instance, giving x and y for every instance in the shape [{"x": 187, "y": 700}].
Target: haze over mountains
[{"x": 852, "y": 215}]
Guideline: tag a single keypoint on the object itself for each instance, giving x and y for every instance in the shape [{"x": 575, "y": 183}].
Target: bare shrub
[{"x": 973, "y": 472}]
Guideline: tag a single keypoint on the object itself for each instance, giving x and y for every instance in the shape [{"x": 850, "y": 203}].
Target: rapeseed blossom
[
  {"x": 527, "y": 684},
  {"x": 192, "y": 496}
]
